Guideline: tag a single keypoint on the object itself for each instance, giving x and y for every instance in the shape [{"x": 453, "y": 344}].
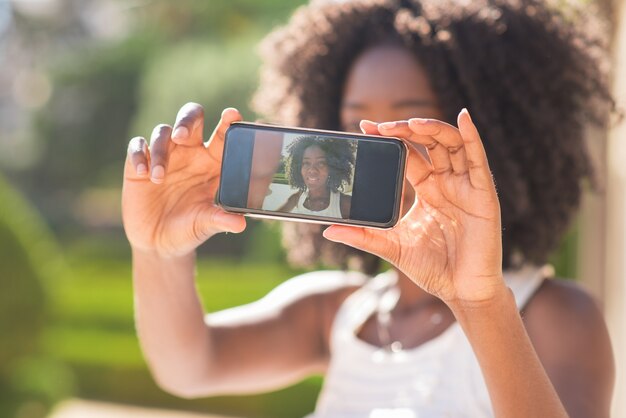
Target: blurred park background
[{"x": 77, "y": 80}]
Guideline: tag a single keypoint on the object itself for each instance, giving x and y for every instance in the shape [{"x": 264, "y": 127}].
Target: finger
[
  {"x": 438, "y": 154},
  {"x": 159, "y": 144},
  {"x": 446, "y": 135},
  {"x": 213, "y": 219},
  {"x": 478, "y": 166},
  {"x": 189, "y": 125},
  {"x": 373, "y": 241},
  {"x": 137, "y": 160},
  {"x": 419, "y": 147},
  {"x": 369, "y": 128},
  {"x": 216, "y": 143},
  {"x": 417, "y": 168}
]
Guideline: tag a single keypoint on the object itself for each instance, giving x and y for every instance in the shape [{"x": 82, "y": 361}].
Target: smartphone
[{"x": 312, "y": 175}]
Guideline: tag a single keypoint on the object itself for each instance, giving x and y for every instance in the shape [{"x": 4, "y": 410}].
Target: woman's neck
[
  {"x": 411, "y": 294},
  {"x": 319, "y": 193}
]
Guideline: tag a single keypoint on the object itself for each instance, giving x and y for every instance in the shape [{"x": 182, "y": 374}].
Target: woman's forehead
[
  {"x": 314, "y": 151},
  {"x": 387, "y": 74}
]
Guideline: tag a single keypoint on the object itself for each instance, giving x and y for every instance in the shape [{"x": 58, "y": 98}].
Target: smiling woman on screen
[{"x": 319, "y": 168}]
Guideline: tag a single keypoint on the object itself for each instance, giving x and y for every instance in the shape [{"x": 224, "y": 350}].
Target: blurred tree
[
  {"x": 84, "y": 128},
  {"x": 29, "y": 382},
  {"x": 221, "y": 75},
  {"x": 105, "y": 91}
]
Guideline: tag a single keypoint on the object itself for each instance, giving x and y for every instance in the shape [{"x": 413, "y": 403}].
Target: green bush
[{"x": 29, "y": 382}]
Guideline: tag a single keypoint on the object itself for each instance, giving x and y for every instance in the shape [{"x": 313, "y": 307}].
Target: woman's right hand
[{"x": 170, "y": 184}]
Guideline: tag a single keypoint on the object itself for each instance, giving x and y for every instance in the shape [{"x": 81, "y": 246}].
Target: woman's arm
[
  {"x": 517, "y": 382},
  {"x": 169, "y": 322},
  {"x": 168, "y": 210},
  {"x": 253, "y": 348},
  {"x": 450, "y": 244},
  {"x": 290, "y": 203}
]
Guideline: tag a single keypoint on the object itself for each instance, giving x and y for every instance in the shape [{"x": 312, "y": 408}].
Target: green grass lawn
[
  {"x": 93, "y": 307},
  {"x": 92, "y": 331}
]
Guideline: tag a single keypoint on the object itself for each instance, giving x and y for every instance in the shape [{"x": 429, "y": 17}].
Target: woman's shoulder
[
  {"x": 291, "y": 202},
  {"x": 309, "y": 295},
  {"x": 563, "y": 307},
  {"x": 563, "y": 299},
  {"x": 321, "y": 293},
  {"x": 322, "y": 282},
  {"x": 569, "y": 334},
  {"x": 294, "y": 197},
  {"x": 566, "y": 325}
]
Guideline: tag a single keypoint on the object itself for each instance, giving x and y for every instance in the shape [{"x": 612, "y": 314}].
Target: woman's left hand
[{"x": 449, "y": 243}]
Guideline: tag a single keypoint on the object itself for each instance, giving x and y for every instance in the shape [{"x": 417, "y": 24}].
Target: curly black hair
[
  {"x": 532, "y": 76},
  {"x": 339, "y": 158}
]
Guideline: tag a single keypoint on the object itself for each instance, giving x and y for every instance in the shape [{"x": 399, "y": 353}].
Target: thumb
[
  {"x": 214, "y": 220},
  {"x": 371, "y": 240}
]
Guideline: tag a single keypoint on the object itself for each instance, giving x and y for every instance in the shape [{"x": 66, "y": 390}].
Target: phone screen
[{"x": 321, "y": 176}]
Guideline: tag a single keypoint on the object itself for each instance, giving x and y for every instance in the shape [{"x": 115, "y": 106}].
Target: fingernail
[
  {"x": 141, "y": 169},
  {"x": 227, "y": 110},
  {"x": 464, "y": 110},
  {"x": 158, "y": 173},
  {"x": 180, "y": 132},
  {"x": 387, "y": 125},
  {"x": 418, "y": 121},
  {"x": 328, "y": 234}
]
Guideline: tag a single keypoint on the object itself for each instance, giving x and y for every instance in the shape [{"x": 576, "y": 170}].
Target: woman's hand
[
  {"x": 169, "y": 186},
  {"x": 449, "y": 242}
]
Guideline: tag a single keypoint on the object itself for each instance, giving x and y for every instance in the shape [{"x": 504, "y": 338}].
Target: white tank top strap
[{"x": 525, "y": 281}]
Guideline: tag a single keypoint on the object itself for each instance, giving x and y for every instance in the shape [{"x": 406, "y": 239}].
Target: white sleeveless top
[
  {"x": 439, "y": 378},
  {"x": 333, "y": 210}
]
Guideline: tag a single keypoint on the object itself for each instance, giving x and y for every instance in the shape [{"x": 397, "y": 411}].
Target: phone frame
[{"x": 274, "y": 215}]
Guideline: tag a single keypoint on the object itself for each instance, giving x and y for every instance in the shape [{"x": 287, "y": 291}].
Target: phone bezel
[{"x": 274, "y": 215}]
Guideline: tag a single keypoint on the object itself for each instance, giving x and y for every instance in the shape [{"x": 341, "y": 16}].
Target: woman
[
  {"x": 319, "y": 168},
  {"x": 441, "y": 334}
]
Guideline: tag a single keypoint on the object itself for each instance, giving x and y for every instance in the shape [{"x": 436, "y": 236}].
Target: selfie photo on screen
[{"x": 314, "y": 175}]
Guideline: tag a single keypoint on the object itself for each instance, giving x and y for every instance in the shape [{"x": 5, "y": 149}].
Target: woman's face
[
  {"x": 387, "y": 83},
  {"x": 314, "y": 168}
]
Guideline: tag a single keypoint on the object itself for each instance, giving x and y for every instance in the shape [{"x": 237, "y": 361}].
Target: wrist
[
  {"x": 500, "y": 299},
  {"x": 159, "y": 256},
  {"x": 156, "y": 259}
]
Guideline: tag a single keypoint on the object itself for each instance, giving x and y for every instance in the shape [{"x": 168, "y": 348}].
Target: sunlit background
[{"x": 77, "y": 80}]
